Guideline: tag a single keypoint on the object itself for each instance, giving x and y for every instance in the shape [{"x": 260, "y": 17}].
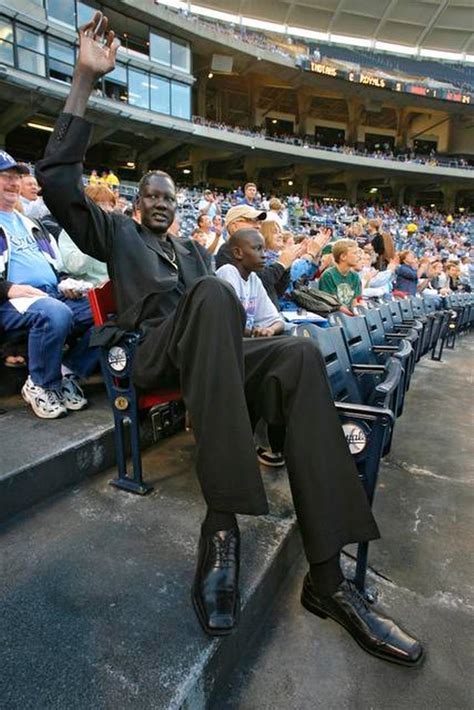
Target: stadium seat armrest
[
  {"x": 369, "y": 368},
  {"x": 385, "y": 348},
  {"x": 364, "y": 411}
]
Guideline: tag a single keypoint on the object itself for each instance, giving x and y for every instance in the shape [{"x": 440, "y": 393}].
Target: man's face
[
  {"x": 244, "y": 223},
  {"x": 205, "y": 223},
  {"x": 251, "y": 252},
  {"x": 158, "y": 203},
  {"x": 10, "y": 183},
  {"x": 250, "y": 192},
  {"x": 29, "y": 187}
]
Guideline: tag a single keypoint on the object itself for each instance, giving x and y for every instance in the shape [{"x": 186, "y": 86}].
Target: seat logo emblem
[{"x": 355, "y": 437}]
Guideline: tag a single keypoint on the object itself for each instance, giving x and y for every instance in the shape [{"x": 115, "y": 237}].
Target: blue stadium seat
[{"x": 367, "y": 427}]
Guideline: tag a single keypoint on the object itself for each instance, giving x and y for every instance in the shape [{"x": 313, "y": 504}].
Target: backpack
[{"x": 315, "y": 301}]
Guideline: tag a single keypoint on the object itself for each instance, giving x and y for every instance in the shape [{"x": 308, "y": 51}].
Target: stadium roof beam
[
  {"x": 100, "y": 133},
  {"x": 432, "y": 22},
  {"x": 388, "y": 10},
  {"x": 336, "y": 14},
  {"x": 15, "y": 116}
]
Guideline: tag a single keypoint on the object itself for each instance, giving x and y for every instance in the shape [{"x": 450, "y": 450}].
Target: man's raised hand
[{"x": 97, "y": 47}]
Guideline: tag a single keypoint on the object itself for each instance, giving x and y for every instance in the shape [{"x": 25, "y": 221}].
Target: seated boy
[
  {"x": 339, "y": 279},
  {"x": 248, "y": 256}
]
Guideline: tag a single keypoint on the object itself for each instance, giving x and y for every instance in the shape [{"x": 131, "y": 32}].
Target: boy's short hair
[
  {"x": 249, "y": 184},
  {"x": 342, "y": 246}
]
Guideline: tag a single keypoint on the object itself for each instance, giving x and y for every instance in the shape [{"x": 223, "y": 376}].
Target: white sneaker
[
  {"x": 71, "y": 395},
  {"x": 46, "y": 404}
]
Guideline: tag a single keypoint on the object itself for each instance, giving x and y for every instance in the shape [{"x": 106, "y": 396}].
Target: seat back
[
  {"x": 406, "y": 308},
  {"x": 387, "y": 318},
  {"x": 374, "y": 325},
  {"x": 357, "y": 338},
  {"x": 102, "y": 303},
  {"x": 395, "y": 310},
  {"x": 333, "y": 348}
]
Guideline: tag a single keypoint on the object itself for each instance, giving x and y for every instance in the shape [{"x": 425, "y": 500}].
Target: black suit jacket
[{"x": 146, "y": 284}]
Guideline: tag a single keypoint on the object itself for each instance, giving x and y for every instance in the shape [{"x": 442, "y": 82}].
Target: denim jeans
[{"x": 50, "y": 321}]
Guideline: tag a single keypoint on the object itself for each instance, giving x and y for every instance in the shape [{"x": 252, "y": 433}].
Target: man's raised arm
[{"x": 60, "y": 171}]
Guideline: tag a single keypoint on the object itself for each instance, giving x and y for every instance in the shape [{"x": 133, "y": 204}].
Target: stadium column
[
  {"x": 355, "y": 109},
  {"x": 201, "y": 96},
  {"x": 398, "y": 191},
  {"x": 254, "y": 102},
  {"x": 304, "y": 102},
  {"x": 404, "y": 117},
  {"x": 449, "y": 196},
  {"x": 352, "y": 186}
]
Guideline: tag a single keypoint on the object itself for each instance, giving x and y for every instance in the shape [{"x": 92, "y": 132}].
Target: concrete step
[
  {"x": 95, "y": 596},
  {"x": 40, "y": 457}
]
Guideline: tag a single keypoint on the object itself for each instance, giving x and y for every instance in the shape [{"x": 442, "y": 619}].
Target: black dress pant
[{"x": 228, "y": 382}]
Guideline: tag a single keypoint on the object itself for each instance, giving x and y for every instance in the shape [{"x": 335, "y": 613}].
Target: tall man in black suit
[{"x": 192, "y": 325}]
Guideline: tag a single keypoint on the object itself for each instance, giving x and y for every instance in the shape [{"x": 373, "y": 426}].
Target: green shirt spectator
[{"x": 340, "y": 280}]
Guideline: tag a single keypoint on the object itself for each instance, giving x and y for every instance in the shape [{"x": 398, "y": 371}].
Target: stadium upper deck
[{"x": 278, "y": 117}]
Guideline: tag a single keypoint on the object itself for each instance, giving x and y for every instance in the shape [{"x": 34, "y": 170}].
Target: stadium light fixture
[
  {"x": 308, "y": 34},
  {"x": 353, "y": 41},
  {"x": 274, "y": 120},
  {"x": 432, "y": 204},
  {"x": 438, "y": 54},
  {"x": 131, "y": 164},
  {"x": 40, "y": 127},
  {"x": 290, "y": 183},
  {"x": 263, "y": 25},
  {"x": 461, "y": 209},
  {"x": 210, "y": 75},
  {"x": 215, "y": 14},
  {"x": 186, "y": 171},
  {"x": 373, "y": 190},
  {"x": 396, "y": 48},
  {"x": 176, "y": 4}
]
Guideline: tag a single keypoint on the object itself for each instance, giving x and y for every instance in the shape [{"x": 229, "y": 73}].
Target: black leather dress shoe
[
  {"x": 216, "y": 585},
  {"x": 374, "y": 632}
]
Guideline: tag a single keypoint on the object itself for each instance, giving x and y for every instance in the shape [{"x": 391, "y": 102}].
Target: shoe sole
[
  {"x": 313, "y": 609},
  {"x": 202, "y": 617},
  {"x": 75, "y": 408},
  {"x": 270, "y": 465},
  {"x": 38, "y": 413}
]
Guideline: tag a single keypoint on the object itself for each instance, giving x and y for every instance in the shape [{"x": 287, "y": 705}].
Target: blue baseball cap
[{"x": 7, "y": 163}]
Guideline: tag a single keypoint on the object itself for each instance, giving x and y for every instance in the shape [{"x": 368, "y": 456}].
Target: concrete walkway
[{"x": 424, "y": 506}]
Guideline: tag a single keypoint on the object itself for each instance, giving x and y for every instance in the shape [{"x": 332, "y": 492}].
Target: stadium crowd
[
  {"x": 396, "y": 252},
  {"x": 383, "y": 152},
  {"x": 264, "y": 249}
]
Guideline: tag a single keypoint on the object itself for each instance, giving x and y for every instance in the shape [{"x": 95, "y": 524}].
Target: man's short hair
[
  {"x": 201, "y": 218},
  {"x": 342, "y": 246},
  {"x": 249, "y": 184},
  {"x": 151, "y": 174}
]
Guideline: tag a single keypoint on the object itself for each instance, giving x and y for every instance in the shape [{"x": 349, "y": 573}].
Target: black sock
[
  {"x": 215, "y": 521},
  {"x": 326, "y": 576}
]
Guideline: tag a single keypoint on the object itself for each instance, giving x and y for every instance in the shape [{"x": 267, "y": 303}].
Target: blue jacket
[{"x": 407, "y": 279}]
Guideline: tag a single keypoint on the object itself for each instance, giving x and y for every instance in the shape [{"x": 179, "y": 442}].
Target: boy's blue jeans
[{"x": 50, "y": 321}]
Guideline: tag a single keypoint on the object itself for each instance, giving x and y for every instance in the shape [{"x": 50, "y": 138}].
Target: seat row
[{"x": 370, "y": 358}]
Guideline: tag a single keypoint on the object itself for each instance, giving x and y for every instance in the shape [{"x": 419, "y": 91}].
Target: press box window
[
  {"x": 84, "y": 13},
  {"x": 62, "y": 10},
  {"x": 60, "y": 61},
  {"x": 138, "y": 88},
  {"x": 115, "y": 84},
  {"x": 6, "y": 42},
  {"x": 160, "y": 94},
  {"x": 160, "y": 49},
  {"x": 180, "y": 55},
  {"x": 180, "y": 100},
  {"x": 30, "y": 51}
]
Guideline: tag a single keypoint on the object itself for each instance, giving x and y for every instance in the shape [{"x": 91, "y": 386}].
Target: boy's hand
[
  {"x": 262, "y": 333},
  {"x": 97, "y": 47}
]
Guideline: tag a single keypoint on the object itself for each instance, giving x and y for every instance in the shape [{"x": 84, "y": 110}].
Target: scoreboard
[{"x": 380, "y": 82}]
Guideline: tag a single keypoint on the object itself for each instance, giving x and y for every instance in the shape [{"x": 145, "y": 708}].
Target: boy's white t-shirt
[{"x": 261, "y": 313}]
